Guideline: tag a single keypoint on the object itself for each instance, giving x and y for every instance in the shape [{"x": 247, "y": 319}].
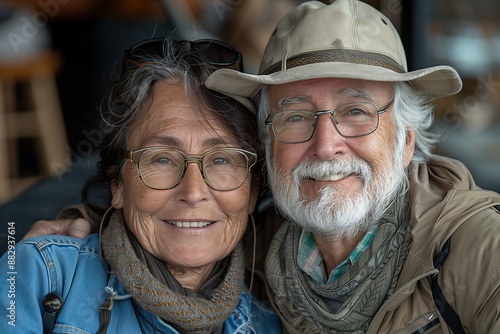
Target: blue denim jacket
[{"x": 72, "y": 267}]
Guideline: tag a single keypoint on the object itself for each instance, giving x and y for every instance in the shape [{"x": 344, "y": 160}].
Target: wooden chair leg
[
  {"x": 51, "y": 124},
  {"x": 4, "y": 152}
]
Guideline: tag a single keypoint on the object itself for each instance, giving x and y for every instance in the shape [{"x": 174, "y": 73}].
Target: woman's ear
[
  {"x": 252, "y": 201},
  {"x": 116, "y": 195}
]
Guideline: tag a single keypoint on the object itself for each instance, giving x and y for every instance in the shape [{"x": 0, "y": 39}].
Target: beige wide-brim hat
[{"x": 346, "y": 39}]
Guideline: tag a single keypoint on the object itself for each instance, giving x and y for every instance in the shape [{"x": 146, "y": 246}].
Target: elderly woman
[{"x": 178, "y": 180}]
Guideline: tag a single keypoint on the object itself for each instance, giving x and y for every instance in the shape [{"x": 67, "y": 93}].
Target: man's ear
[
  {"x": 117, "y": 195},
  {"x": 409, "y": 147}
]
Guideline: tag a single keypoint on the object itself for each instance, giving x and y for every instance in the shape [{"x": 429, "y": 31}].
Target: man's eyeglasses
[
  {"x": 350, "y": 120},
  {"x": 163, "y": 168},
  {"x": 219, "y": 54}
]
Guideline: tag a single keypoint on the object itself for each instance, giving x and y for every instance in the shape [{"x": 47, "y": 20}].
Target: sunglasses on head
[{"x": 218, "y": 54}]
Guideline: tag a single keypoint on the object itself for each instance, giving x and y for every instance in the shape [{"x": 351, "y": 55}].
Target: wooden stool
[{"x": 41, "y": 120}]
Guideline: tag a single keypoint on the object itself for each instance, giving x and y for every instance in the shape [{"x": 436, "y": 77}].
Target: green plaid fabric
[{"x": 311, "y": 261}]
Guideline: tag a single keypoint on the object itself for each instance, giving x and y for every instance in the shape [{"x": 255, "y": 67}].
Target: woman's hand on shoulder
[{"x": 78, "y": 228}]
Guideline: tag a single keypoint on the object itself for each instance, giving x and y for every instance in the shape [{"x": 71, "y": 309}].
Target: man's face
[{"x": 332, "y": 184}]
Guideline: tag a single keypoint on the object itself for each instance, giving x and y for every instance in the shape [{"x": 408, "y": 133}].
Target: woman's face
[{"x": 154, "y": 216}]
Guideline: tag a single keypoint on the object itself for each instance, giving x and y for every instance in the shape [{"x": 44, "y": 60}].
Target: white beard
[{"x": 335, "y": 215}]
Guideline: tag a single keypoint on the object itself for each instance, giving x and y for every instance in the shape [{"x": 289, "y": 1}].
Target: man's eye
[
  {"x": 296, "y": 117},
  {"x": 357, "y": 111}
]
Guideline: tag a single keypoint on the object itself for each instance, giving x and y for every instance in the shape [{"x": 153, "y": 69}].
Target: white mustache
[{"x": 332, "y": 170}]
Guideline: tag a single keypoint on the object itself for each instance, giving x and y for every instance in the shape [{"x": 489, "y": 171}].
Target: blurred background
[{"x": 48, "y": 136}]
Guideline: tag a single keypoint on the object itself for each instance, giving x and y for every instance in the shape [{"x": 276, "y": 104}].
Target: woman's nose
[{"x": 192, "y": 188}]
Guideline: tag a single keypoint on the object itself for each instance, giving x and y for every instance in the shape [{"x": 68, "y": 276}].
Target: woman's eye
[
  {"x": 163, "y": 160},
  {"x": 219, "y": 161},
  {"x": 158, "y": 159}
]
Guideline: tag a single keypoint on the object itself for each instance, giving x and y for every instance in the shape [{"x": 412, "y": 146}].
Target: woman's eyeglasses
[
  {"x": 218, "y": 54},
  {"x": 163, "y": 168}
]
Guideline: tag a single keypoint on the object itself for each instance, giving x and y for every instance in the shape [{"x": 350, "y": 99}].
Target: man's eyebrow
[
  {"x": 346, "y": 91},
  {"x": 286, "y": 101},
  {"x": 356, "y": 93}
]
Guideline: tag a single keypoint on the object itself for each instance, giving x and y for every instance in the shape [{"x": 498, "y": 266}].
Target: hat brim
[{"x": 435, "y": 82}]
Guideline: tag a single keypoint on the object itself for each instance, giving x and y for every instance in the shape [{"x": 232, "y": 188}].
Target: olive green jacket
[{"x": 445, "y": 202}]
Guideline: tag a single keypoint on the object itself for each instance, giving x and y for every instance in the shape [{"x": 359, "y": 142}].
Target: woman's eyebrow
[
  {"x": 166, "y": 141},
  {"x": 218, "y": 141},
  {"x": 208, "y": 143}
]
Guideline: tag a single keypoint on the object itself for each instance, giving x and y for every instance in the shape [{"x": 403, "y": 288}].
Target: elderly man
[
  {"x": 370, "y": 213},
  {"x": 379, "y": 235}
]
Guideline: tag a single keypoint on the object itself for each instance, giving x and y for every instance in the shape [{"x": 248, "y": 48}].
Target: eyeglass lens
[{"x": 164, "y": 168}]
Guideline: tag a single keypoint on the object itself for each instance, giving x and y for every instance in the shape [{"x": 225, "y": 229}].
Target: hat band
[{"x": 337, "y": 56}]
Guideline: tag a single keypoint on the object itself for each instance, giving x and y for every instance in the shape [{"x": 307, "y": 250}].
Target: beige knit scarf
[{"x": 187, "y": 314}]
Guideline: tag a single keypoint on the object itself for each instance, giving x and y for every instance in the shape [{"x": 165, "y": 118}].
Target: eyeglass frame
[
  {"x": 128, "y": 54},
  {"x": 269, "y": 121},
  {"x": 191, "y": 158}
]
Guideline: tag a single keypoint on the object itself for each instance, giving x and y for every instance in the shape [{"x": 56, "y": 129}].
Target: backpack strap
[{"x": 447, "y": 312}]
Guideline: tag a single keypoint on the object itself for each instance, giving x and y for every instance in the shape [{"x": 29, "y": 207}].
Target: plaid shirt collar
[{"x": 312, "y": 263}]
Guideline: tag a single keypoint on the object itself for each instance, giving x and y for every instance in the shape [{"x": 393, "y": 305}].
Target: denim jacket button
[{"x": 52, "y": 302}]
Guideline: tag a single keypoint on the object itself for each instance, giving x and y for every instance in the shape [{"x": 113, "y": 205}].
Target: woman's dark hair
[{"x": 129, "y": 99}]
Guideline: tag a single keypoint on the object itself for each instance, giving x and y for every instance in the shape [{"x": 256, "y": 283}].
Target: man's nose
[{"x": 326, "y": 140}]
